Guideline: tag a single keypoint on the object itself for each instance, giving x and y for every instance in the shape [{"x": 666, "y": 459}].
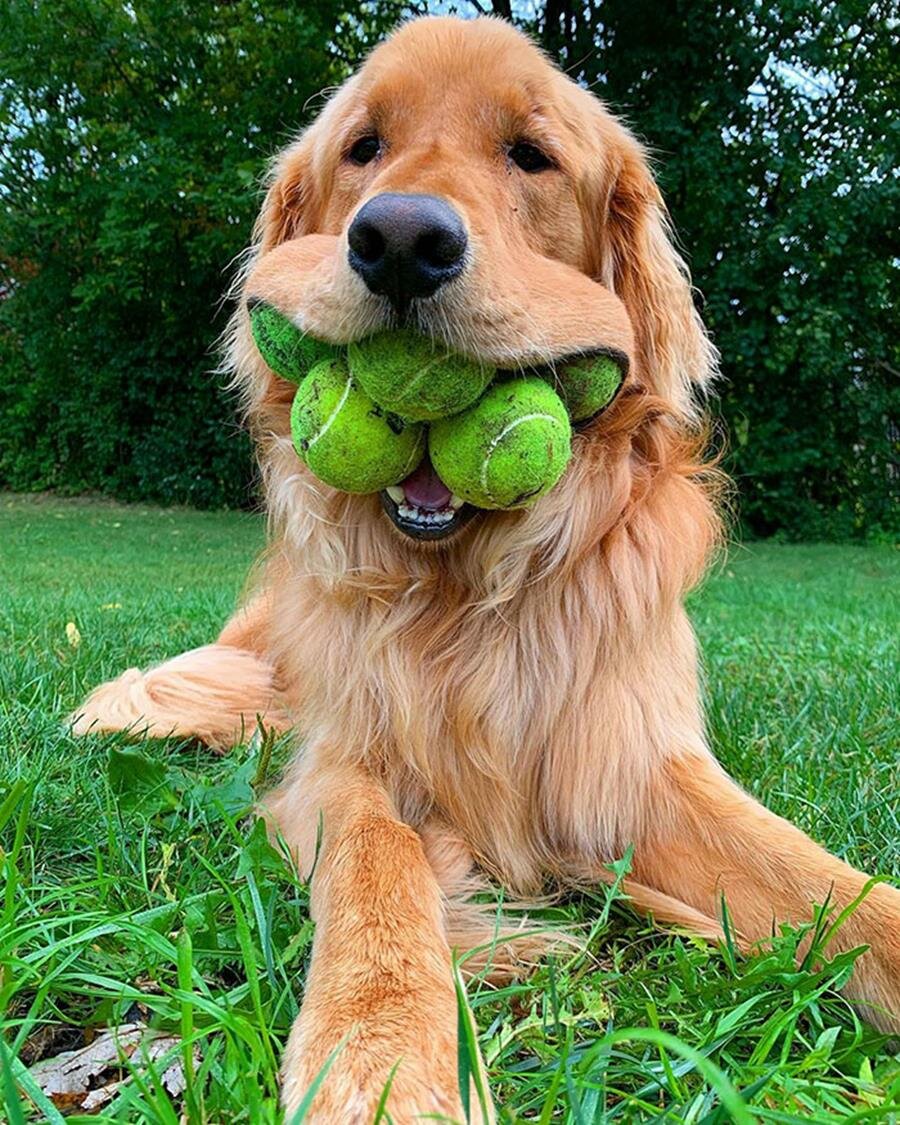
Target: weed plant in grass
[{"x": 139, "y": 886}]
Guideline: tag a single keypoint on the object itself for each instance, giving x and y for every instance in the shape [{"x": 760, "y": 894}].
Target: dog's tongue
[{"x": 425, "y": 489}]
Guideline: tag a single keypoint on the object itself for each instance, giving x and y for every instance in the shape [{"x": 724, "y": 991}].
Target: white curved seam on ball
[
  {"x": 412, "y": 462},
  {"x": 329, "y": 421},
  {"x": 496, "y": 441},
  {"x": 423, "y": 370}
]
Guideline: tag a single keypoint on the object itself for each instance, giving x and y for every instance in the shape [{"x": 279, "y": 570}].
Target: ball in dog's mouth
[{"x": 423, "y": 507}]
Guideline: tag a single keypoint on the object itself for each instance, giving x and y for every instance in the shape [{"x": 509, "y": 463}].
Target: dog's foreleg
[
  {"x": 380, "y": 997},
  {"x": 214, "y": 693},
  {"x": 708, "y": 839}
]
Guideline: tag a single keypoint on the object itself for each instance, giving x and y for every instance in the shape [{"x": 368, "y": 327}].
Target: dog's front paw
[{"x": 416, "y": 1056}]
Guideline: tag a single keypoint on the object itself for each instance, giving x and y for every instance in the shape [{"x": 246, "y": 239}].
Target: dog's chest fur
[{"x": 532, "y": 727}]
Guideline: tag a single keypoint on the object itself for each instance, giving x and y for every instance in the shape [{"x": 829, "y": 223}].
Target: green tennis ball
[
  {"x": 588, "y": 385},
  {"x": 416, "y": 377},
  {"x": 288, "y": 351},
  {"x": 508, "y": 449},
  {"x": 345, "y": 439}
]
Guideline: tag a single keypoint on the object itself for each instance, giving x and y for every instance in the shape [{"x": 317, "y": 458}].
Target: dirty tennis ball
[
  {"x": 588, "y": 385},
  {"x": 288, "y": 351},
  {"x": 345, "y": 439},
  {"x": 508, "y": 449},
  {"x": 416, "y": 377}
]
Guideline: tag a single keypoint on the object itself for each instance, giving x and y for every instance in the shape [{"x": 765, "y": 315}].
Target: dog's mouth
[{"x": 423, "y": 507}]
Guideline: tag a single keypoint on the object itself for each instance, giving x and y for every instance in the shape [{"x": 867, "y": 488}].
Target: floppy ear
[
  {"x": 288, "y": 211},
  {"x": 675, "y": 356},
  {"x": 291, "y": 201}
]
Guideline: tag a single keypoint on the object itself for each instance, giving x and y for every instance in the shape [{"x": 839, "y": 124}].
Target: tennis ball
[
  {"x": 508, "y": 449},
  {"x": 415, "y": 377},
  {"x": 588, "y": 385},
  {"x": 288, "y": 351},
  {"x": 345, "y": 439}
]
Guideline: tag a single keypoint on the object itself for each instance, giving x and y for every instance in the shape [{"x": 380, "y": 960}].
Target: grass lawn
[{"x": 137, "y": 889}]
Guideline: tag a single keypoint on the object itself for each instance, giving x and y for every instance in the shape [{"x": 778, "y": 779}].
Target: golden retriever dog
[{"x": 488, "y": 696}]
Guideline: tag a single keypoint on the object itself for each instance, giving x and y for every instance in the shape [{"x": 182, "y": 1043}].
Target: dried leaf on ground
[{"x": 91, "y": 1076}]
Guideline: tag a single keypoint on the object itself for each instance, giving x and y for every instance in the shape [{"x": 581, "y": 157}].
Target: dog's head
[{"x": 461, "y": 184}]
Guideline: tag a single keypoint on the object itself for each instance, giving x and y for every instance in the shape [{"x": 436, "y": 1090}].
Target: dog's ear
[
  {"x": 289, "y": 207},
  {"x": 639, "y": 261}
]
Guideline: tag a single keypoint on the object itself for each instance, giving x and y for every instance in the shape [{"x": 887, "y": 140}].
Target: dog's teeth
[
  {"x": 456, "y": 502},
  {"x": 424, "y": 516},
  {"x": 396, "y": 493}
]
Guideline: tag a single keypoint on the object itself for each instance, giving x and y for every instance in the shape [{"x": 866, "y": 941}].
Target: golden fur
[{"x": 522, "y": 701}]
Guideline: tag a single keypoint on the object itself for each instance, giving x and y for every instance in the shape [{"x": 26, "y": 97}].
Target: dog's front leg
[
  {"x": 380, "y": 992},
  {"x": 215, "y": 693},
  {"x": 710, "y": 839}
]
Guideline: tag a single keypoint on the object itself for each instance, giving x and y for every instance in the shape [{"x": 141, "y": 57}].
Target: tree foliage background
[{"x": 133, "y": 137}]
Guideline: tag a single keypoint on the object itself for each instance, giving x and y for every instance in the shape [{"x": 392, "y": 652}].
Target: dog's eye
[
  {"x": 529, "y": 157},
  {"x": 365, "y": 149}
]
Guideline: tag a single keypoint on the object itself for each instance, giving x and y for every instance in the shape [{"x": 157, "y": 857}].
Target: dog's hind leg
[
  {"x": 380, "y": 1003},
  {"x": 709, "y": 839},
  {"x": 215, "y": 693}
]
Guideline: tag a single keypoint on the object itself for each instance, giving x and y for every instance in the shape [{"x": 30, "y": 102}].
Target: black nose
[{"x": 406, "y": 246}]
